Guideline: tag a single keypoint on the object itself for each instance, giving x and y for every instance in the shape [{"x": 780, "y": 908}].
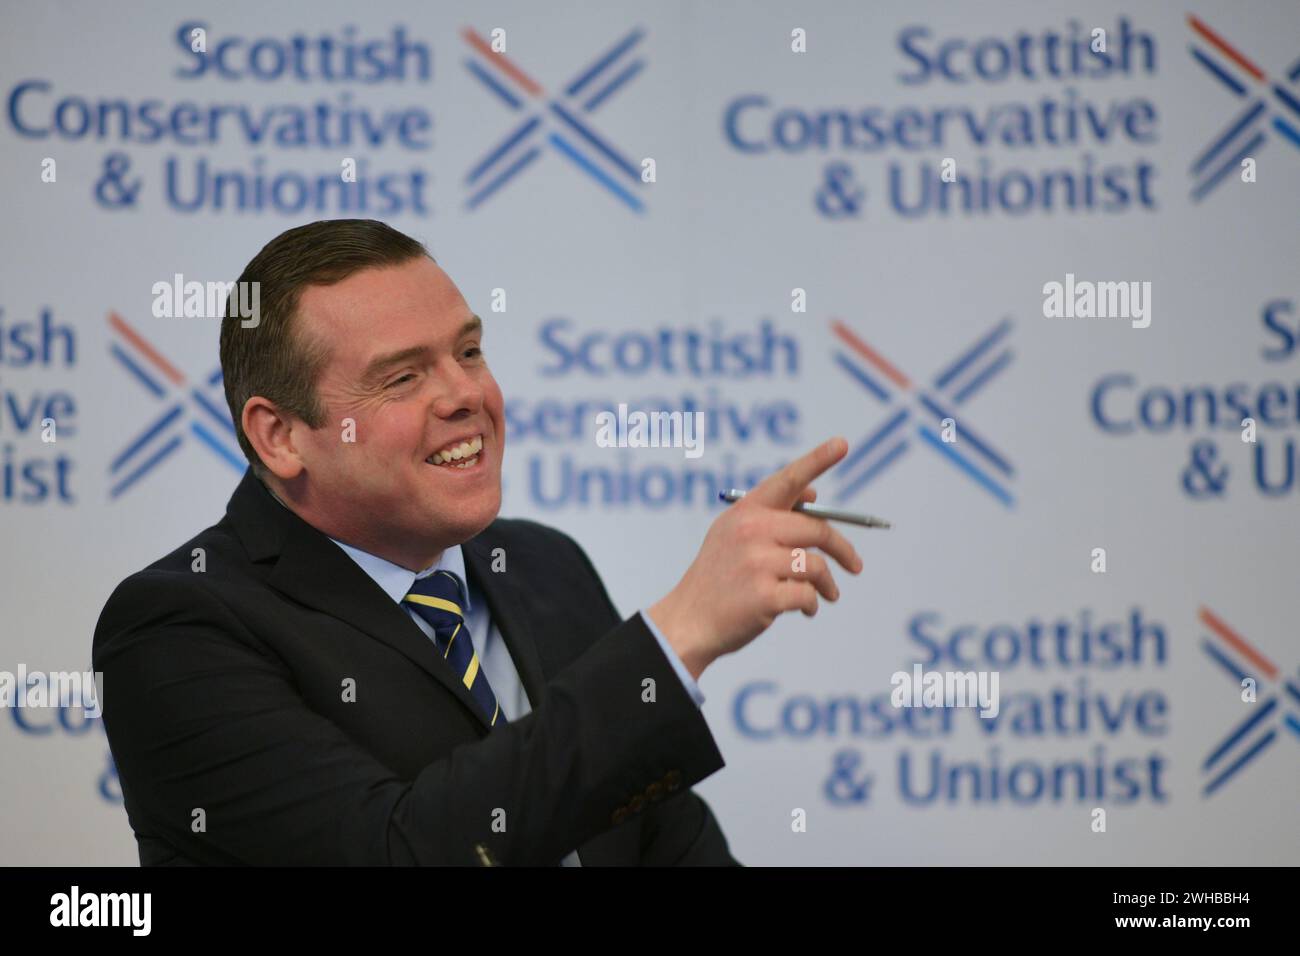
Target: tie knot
[{"x": 440, "y": 590}]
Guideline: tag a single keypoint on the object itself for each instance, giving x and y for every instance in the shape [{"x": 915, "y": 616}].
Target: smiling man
[
  {"x": 425, "y": 461},
  {"x": 362, "y": 664}
]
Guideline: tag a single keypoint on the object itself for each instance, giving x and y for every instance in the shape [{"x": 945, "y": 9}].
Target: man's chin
[
  {"x": 475, "y": 529},
  {"x": 467, "y": 524}
]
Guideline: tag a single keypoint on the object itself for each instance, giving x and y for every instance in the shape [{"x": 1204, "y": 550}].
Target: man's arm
[
  {"x": 200, "y": 717},
  {"x": 680, "y": 831}
]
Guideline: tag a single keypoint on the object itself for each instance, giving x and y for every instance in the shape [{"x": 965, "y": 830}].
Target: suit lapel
[
  {"x": 312, "y": 570},
  {"x": 512, "y": 610},
  {"x": 315, "y": 572}
]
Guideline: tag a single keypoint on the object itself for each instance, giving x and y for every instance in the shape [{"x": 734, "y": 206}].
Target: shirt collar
[{"x": 396, "y": 580}]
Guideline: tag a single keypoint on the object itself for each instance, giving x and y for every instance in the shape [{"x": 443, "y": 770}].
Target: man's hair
[{"x": 276, "y": 358}]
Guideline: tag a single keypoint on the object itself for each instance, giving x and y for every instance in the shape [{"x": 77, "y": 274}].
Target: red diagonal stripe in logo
[
  {"x": 871, "y": 355},
  {"x": 146, "y": 349},
  {"x": 1223, "y": 47},
  {"x": 500, "y": 62},
  {"x": 1209, "y": 619}
]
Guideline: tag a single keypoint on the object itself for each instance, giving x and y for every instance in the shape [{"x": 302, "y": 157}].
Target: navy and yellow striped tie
[{"x": 436, "y": 598}]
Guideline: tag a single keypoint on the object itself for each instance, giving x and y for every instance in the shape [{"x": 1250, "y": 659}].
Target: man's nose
[{"x": 459, "y": 394}]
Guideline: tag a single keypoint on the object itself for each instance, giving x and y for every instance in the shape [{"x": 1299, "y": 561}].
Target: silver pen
[{"x": 817, "y": 511}]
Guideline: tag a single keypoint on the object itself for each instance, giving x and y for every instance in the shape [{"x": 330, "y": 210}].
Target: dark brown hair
[{"x": 275, "y": 358}]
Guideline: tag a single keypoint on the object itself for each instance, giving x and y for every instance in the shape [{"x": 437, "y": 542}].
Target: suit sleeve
[
  {"x": 220, "y": 755},
  {"x": 682, "y": 830}
]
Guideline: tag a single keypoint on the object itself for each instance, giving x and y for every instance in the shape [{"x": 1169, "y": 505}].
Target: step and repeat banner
[{"x": 1037, "y": 262}]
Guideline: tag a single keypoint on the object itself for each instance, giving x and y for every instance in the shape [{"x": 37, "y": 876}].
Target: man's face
[{"x": 405, "y": 364}]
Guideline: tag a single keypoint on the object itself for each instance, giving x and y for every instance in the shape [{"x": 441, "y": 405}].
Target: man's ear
[{"x": 270, "y": 431}]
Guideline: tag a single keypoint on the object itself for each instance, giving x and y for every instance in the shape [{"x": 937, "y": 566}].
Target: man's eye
[
  {"x": 399, "y": 381},
  {"x": 473, "y": 352}
]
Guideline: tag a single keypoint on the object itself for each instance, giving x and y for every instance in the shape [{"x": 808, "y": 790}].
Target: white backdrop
[{"x": 774, "y": 170}]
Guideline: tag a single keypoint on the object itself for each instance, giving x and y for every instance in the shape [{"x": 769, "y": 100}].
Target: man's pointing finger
[{"x": 782, "y": 489}]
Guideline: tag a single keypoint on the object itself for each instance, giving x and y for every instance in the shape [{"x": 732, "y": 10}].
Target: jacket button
[
  {"x": 673, "y": 779},
  {"x": 655, "y": 791},
  {"x": 619, "y": 816}
]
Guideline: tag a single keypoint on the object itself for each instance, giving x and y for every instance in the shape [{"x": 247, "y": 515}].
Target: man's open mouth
[{"x": 462, "y": 454}]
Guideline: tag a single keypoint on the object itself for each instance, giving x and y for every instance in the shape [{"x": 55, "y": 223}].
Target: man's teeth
[{"x": 462, "y": 452}]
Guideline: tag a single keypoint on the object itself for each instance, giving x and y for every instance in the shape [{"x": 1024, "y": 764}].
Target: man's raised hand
[{"x": 746, "y": 573}]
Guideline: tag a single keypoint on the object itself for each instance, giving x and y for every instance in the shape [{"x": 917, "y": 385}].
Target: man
[{"x": 360, "y": 663}]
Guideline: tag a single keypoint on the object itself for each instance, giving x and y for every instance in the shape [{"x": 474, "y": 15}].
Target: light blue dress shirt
[{"x": 494, "y": 656}]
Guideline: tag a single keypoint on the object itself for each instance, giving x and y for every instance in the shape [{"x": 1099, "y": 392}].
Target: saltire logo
[
  {"x": 1258, "y": 731},
  {"x": 918, "y": 411},
  {"x": 1243, "y": 136},
  {"x": 559, "y": 123},
  {"x": 189, "y": 410}
]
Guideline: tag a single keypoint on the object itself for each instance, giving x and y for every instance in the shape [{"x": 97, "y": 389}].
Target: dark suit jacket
[{"x": 226, "y": 706}]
